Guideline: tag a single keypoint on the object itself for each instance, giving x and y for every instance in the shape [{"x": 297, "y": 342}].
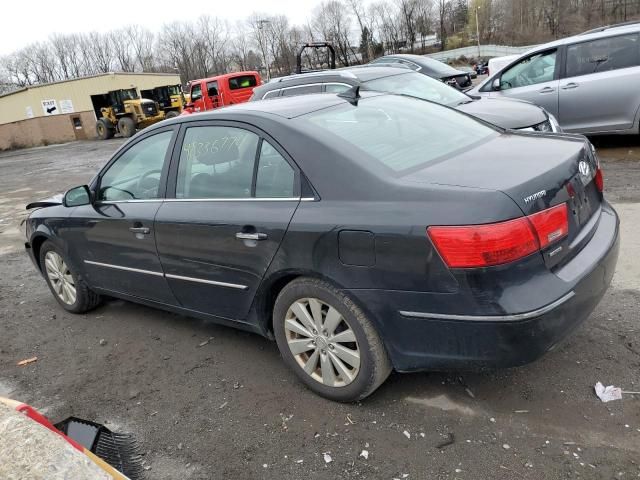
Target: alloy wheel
[
  {"x": 60, "y": 278},
  {"x": 322, "y": 342}
]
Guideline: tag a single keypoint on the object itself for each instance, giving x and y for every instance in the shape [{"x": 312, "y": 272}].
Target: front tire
[
  {"x": 328, "y": 341},
  {"x": 68, "y": 288},
  {"x": 104, "y": 130},
  {"x": 126, "y": 127}
]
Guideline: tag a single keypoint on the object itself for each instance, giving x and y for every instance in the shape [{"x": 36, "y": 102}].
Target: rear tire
[
  {"x": 337, "y": 353},
  {"x": 67, "y": 287},
  {"x": 171, "y": 114},
  {"x": 126, "y": 126},
  {"x": 104, "y": 129}
]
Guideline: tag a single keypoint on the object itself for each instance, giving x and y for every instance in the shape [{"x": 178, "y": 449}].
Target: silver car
[{"x": 589, "y": 82}]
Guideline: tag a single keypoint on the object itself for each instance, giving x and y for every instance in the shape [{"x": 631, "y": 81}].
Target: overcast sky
[{"x": 24, "y": 22}]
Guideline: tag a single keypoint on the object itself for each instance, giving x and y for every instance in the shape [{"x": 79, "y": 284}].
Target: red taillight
[
  {"x": 599, "y": 180},
  {"x": 550, "y": 225},
  {"x": 476, "y": 246}
]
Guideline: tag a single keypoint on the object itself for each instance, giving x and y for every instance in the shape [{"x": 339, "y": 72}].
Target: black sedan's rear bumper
[{"x": 417, "y": 340}]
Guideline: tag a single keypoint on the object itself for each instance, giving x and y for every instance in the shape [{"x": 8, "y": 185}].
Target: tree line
[{"x": 359, "y": 31}]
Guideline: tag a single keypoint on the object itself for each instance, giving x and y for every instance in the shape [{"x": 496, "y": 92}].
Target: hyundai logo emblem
[{"x": 584, "y": 169}]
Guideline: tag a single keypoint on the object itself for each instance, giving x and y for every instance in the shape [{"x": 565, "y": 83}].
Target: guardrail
[{"x": 485, "y": 51}]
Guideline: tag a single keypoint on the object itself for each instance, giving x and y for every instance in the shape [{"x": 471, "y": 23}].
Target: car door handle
[
  {"x": 569, "y": 86},
  {"x": 144, "y": 230},
  {"x": 547, "y": 90},
  {"x": 251, "y": 236}
]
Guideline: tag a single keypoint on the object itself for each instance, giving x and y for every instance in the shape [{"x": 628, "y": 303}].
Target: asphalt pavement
[{"x": 206, "y": 401}]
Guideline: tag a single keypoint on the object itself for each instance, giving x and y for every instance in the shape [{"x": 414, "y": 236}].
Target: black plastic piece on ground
[{"x": 121, "y": 451}]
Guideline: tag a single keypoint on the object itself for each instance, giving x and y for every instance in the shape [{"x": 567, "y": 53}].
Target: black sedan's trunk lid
[{"x": 537, "y": 172}]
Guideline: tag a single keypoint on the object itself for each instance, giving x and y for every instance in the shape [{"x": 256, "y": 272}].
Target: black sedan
[
  {"x": 395, "y": 78},
  {"x": 361, "y": 232},
  {"x": 430, "y": 67}
]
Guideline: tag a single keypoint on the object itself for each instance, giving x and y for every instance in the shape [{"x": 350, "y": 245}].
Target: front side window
[
  {"x": 216, "y": 162},
  {"x": 135, "y": 175},
  {"x": 538, "y": 68},
  {"x": 420, "y": 86},
  {"x": 603, "y": 55},
  {"x": 196, "y": 92},
  {"x": 399, "y": 133},
  {"x": 242, "y": 81},
  {"x": 212, "y": 89},
  {"x": 275, "y": 177}
]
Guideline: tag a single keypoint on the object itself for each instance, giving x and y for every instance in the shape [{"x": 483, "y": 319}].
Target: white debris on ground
[
  {"x": 365, "y": 454},
  {"x": 327, "y": 457},
  {"x": 407, "y": 434},
  {"x": 609, "y": 393}
]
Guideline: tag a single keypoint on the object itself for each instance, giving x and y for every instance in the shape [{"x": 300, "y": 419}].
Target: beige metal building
[{"x": 63, "y": 111}]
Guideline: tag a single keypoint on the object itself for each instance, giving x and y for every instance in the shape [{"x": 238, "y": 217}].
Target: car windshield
[
  {"x": 175, "y": 90},
  {"x": 401, "y": 133},
  {"x": 421, "y": 86},
  {"x": 130, "y": 94}
]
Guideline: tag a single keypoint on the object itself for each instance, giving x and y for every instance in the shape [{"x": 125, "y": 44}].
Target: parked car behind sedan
[
  {"x": 396, "y": 78},
  {"x": 362, "y": 232},
  {"x": 588, "y": 81},
  {"x": 430, "y": 67}
]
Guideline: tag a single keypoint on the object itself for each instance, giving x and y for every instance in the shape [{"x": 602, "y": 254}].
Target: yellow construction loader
[{"x": 123, "y": 111}]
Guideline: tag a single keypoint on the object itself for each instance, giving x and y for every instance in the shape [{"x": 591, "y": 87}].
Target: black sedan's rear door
[{"x": 235, "y": 194}]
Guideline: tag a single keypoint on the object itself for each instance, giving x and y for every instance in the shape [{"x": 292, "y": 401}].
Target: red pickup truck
[{"x": 221, "y": 90}]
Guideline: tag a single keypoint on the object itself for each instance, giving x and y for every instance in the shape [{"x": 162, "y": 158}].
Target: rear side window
[
  {"x": 401, "y": 133},
  {"x": 301, "y": 90},
  {"x": 216, "y": 162},
  {"x": 212, "y": 89},
  {"x": 275, "y": 177},
  {"x": 603, "y": 55},
  {"x": 242, "y": 81},
  {"x": 336, "y": 87},
  {"x": 271, "y": 94}
]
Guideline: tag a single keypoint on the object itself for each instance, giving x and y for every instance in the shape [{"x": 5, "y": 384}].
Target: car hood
[
  {"x": 48, "y": 202},
  {"x": 505, "y": 113}
]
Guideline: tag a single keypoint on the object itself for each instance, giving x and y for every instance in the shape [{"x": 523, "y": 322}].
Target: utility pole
[
  {"x": 478, "y": 30},
  {"x": 265, "y": 51}
]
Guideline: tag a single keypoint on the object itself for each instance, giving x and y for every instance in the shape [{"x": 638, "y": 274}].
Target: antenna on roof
[{"x": 352, "y": 95}]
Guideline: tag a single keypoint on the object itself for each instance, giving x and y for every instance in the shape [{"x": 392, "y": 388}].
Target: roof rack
[{"x": 607, "y": 27}]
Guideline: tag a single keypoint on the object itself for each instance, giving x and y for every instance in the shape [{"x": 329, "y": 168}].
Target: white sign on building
[
  {"x": 29, "y": 111},
  {"x": 50, "y": 107},
  {"x": 66, "y": 106}
]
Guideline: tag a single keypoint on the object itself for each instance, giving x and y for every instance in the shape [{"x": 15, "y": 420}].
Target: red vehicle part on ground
[{"x": 221, "y": 90}]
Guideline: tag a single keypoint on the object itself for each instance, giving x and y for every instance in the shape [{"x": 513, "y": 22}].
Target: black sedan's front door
[
  {"x": 235, "y": 196},
  {"x": 114, "y": 238}
]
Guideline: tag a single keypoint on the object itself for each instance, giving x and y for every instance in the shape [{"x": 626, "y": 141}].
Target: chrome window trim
[
  {"x": 492, "y": 318},
  {"x": 127, "y": 269},
  {"x": 141, "y": 200},
  {"x": 209, "y": 282},
  {"x": 243, "y": 199},
  {"x": 315, "y": 84},
  {"x": 168, "y": 275}
]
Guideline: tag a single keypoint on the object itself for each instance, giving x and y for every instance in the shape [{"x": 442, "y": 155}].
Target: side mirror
[
  {"x": 77, "y": 196},
  {"x": 496, "y": 84}
]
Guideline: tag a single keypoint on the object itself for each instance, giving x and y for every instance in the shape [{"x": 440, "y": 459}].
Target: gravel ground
[{"x": 207, "y": 401}]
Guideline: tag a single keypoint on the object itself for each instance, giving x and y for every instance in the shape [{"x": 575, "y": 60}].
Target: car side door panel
[
  {"x": 210, "y": 268},
  {"x": 215, "y": 238},
  {"x": 113, "y": 238},
  {"x": 599, "y": 92}
]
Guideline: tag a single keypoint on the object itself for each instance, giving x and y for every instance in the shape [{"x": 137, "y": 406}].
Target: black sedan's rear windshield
[{"x": 401, "y": 132}]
